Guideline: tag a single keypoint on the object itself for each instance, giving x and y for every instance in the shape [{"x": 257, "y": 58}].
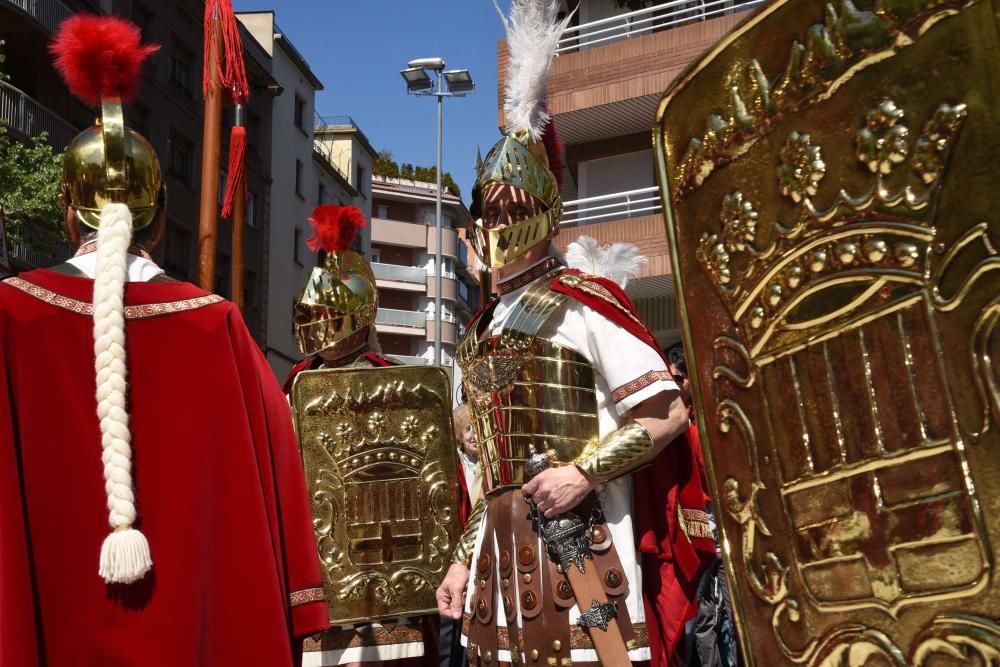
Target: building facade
[
  {"x": 403, "y": 242},
  {"x": 303, "y": 176},
  {"x": 167, "y": 111},
  {"x": 613, "y": 66}
]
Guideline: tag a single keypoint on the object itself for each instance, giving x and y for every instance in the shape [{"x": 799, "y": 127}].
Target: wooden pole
[
  {"x": 238, "y": 220},
  {"x": 208, "y": 217}
]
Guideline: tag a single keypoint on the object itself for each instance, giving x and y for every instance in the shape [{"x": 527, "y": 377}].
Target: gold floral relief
[
  {"x": 835, "y": 240},
  {"x": 378, "y": 449}
]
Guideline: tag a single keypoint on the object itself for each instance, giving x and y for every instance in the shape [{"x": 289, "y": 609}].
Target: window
[
  {"x": 178, "y": 250},
  {"x": 321, "y": 195},
  {"x": 145, "y": 19},
  {"x": 298, "y": 178},
  {"x": 253, "y": 126},
  {"x": 375, "y": 254},
  {"x": 251, "y": 207},
  {"x": 383, "y": 212},
  {"x": 360, "y": 185},
  {"x": 223, "y": 273},
  {"x": 180, "y": 151},
  {"x": 298, "y": 244},
  {"x": 182, "y": 67},
  {"x": 300, "y": 113}
]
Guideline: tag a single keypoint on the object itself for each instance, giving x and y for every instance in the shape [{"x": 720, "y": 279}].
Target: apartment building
[
  {"x": 403, "y": 236},
  {"x": 168, "y": 112},
  {"x": 304, "y": 175},
  {"x": 613, "y": 65}
]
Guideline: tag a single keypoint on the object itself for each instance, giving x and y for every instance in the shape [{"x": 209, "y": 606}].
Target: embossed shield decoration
[
  {"x": 379, "y": 455},
  {"x": 829, "y": 176}
]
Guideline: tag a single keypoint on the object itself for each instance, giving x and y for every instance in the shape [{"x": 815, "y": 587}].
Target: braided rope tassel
[{"x": 125, "y": 552}]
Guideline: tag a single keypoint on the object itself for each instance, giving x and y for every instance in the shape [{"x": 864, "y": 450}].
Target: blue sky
[{"x": 357, "y": 49}]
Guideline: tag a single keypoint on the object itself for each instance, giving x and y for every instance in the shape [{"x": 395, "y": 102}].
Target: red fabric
[
  {"x": 314, "y": 362},
  {"x": 219, "y": 491},
  {"x": 464, "y": 499},
  {"x": 673, "y": 480},
  {"x": 669, "y": 604}
]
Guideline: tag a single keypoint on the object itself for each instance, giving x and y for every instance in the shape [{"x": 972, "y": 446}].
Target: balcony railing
[
  {"x": 49, "y": 13},
  {"x": 445, "y": 317},
  {"x": 644, "y": 21},
  {"x": 616, "y": 206},
  {"x": 403, "y": 274},
  {"x": 401, "y": 318},
  {"x": 37, "y": 259},
  {"x": 27, "y": 117},
  {"x": 339, "y": 120}
]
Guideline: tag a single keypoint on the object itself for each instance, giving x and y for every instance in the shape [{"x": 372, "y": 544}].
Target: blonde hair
[{"x": 462, "y": 417}]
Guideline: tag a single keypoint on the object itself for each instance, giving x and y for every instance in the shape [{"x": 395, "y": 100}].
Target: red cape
[{"x": 219, "y": 487}]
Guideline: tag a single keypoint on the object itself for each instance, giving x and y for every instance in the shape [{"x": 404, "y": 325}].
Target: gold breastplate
[{"x": 525, "y": 390}]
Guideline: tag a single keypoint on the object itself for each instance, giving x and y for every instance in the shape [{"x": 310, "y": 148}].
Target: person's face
[
  {"x": 682, "y": 382},
  {"x": 505, "y": 205},
  {"x": 470, "y": 444}
]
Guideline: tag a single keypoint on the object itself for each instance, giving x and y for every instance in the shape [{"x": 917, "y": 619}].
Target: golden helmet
[
  {"x": 337, "y": 307},
  {"x": 107, "y": 163},
  {"x": 519, "y": 161}
]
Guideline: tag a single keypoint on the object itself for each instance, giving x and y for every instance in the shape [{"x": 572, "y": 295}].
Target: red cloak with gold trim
[{"x": 219, "y": 487}]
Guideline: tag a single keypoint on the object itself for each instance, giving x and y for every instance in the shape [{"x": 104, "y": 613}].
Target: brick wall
[{"x": 647, "y": 233}]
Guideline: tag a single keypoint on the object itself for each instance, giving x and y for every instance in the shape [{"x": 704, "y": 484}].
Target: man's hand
[
  {"x": 560, "y": 489},
  {"x": 451, "y": 593}
]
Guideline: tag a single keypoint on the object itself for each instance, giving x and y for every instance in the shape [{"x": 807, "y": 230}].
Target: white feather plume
[
  {"x": 533, "y": 32},
  {"x": 619, "y": 261}
]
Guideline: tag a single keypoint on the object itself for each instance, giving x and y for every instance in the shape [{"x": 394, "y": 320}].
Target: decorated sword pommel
[
  {"x": 565, "y": 536},
  {"x": 599, "y": 615},
  {"x": 536, "y": 463}
]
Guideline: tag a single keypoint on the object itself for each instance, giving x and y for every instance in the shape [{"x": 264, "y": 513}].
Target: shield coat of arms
[
  {"x": 829, "y": 177},
  {"x": 379, "y": 455}
]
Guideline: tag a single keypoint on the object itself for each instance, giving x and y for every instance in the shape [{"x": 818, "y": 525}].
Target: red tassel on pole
[{"x": 237, "y": 167}]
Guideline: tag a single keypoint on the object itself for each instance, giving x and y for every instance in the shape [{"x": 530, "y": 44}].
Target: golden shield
[
  {"x": 379, "y": 455},
  {"x": 829, "y": 175}
]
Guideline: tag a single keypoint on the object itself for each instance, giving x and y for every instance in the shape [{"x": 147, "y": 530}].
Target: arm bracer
[{"x": 618, "y": 452}]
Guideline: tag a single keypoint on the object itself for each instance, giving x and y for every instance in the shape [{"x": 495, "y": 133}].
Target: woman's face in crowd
[{"x": 470, "y": 445}]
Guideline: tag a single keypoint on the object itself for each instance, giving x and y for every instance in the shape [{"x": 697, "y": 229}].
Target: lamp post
[{"x": 451, "y": 83}]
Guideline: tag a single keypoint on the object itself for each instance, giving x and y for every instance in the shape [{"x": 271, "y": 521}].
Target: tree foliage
[
  {"x": 385, "y": 166},
  {"x": 29, "y": 189}
]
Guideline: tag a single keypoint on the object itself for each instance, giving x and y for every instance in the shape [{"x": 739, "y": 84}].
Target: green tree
[
  {"x": 406, "y": 171},
  {"x": 384, "y": 165},
  {"x": 29, "y": 190},
  {"x": 30, "y": 172}
]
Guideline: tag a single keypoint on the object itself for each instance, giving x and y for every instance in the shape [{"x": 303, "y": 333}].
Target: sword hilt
[{"x": 565, "y": 535}]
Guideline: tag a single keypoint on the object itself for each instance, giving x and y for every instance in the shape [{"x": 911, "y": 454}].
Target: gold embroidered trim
[
  {"x": 592, "y": 287},
  {"x": 578, "y": 637},
  {"x": 137, "y": 312},
  {"x": 338, "y": 639},
  {"x": 694, "y": 523},
  {"x": 638, "y": 384},
  {"x": 306, "y": 596},
  {"x": 517, "y": 282}
]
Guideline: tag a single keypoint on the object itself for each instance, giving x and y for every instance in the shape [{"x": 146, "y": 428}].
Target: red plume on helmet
[
  {"x": 553, "y": 149},
  {"x": 334, "y": 227},
  {"x": 100, "y": 56}
]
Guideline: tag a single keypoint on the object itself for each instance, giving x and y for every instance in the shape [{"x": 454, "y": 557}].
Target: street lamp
[{"x": 453, "y": 83}]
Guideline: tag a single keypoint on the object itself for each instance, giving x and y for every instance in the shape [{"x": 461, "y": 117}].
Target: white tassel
[
  {"x": 125, "y": 552},
  {"x": 618, "y": 262}
]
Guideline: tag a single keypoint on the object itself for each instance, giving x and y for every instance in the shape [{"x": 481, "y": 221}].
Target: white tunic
[{"x": 627, "y": 372}]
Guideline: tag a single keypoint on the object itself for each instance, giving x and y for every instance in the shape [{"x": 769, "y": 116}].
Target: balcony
[
  {"x": 27, "y": 118},
  {"x": 406, "y": 322},
  {"x": 616, "y": 206},
  {"x": 395, "y": 276},
  {"x": 645, "y": 21},
  {"x": 449, "y": 287},
  {"x": 449, "y": 241},
  {"x": 611, "y": 72},
  {"x": 47, "y": 13},
  {"x": 394, "y": 232}
]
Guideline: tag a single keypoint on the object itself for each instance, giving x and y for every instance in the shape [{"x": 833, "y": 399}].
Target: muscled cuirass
[{"x": 526, "y": 390}]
